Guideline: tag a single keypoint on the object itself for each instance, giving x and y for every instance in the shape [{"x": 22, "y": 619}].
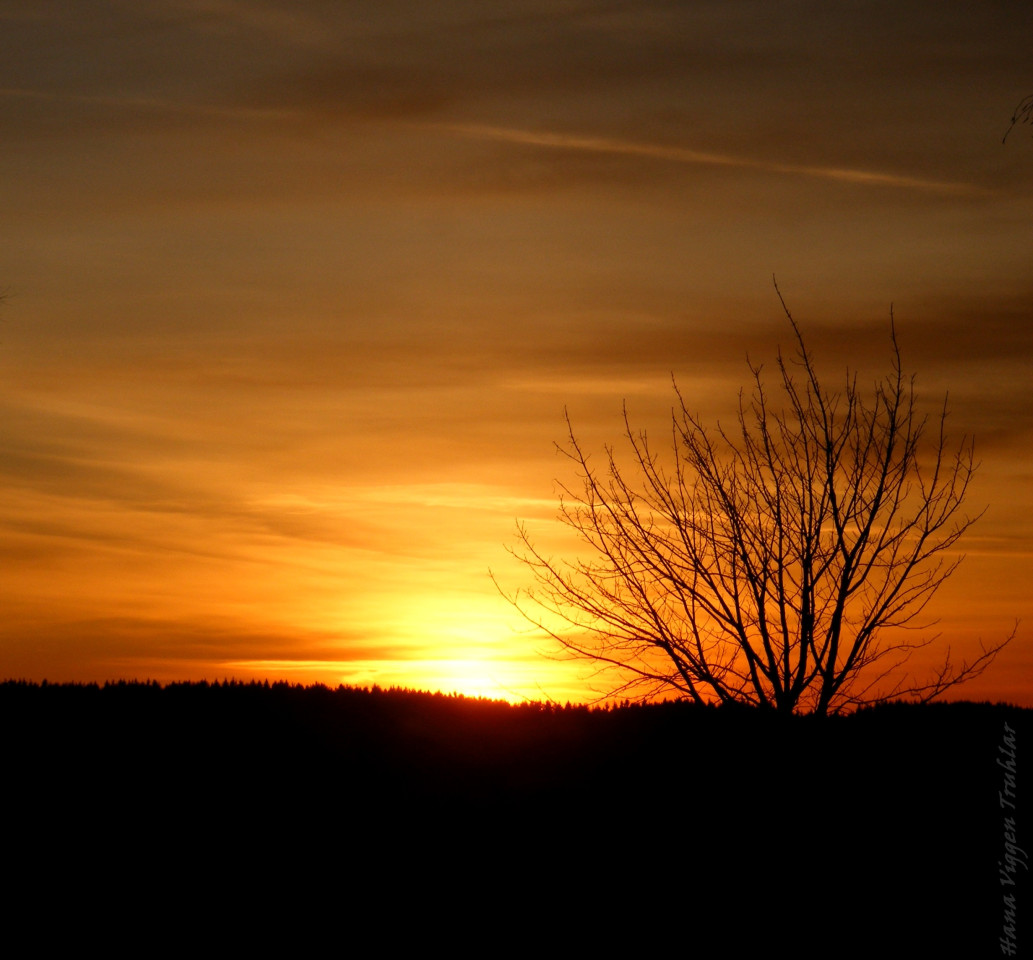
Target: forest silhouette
[{"x": 880, "y": 826}]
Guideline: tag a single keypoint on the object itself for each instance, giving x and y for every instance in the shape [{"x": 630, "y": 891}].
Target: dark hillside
[{"x": 883, "y": 826}]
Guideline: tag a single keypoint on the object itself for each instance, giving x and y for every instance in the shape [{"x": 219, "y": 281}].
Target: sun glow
[
  {"x": 472, "y": 678},
  {"x": 492, "y": 679}
]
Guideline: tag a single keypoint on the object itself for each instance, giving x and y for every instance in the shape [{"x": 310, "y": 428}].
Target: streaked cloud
[{"x": 673, "y": 154}]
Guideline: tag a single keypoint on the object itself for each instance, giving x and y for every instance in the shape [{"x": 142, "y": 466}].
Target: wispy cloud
[
  {"x": 673, "y": 154},
  {"x": 144, "y": 104}
]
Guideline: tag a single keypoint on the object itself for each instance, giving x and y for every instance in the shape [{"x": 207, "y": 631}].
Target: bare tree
[{"x": 778, "y": 564}]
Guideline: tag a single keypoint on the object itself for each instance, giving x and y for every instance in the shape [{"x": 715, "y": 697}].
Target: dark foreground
[{"x": 644, "y": 829}]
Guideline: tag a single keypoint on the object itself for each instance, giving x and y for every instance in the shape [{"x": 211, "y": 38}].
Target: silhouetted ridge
[{"x": 892, "y": 810}]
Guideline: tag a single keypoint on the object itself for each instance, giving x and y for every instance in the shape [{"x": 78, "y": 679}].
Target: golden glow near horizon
[{"x": 296, "y": 296}]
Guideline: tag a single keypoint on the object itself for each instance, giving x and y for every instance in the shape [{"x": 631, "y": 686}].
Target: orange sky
[{"x": 297, "y": 294}]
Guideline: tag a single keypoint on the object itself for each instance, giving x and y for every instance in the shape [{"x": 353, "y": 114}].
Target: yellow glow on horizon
[{"x": 472, "y": 678}]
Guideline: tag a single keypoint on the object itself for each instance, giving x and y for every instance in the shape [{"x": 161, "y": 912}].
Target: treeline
[{"x": 378, "y": 744}]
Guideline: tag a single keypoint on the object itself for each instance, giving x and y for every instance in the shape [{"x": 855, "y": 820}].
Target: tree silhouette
[
  {"x": 778, "y": 564},
  {"x": 1023, "y": 114}
]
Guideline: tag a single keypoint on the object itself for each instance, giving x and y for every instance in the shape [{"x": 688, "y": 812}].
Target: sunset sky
[{"x": 296, "y": 295}]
